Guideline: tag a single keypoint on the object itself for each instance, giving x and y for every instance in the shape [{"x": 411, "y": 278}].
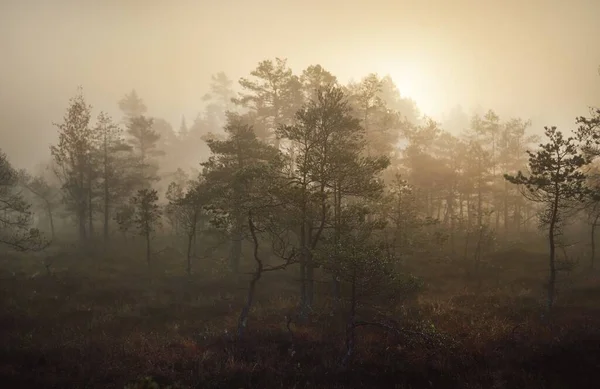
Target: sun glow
[{"x": 413, "y": 82}]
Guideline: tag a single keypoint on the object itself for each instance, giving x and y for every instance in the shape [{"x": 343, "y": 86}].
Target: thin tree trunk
[
  {"x": 337, "y": 234},
  {"x": 148, "y": 249},
  {"x": 106, "y": 211},
  {"x": 82, "y": 206},
  {"x": 106, "y": 190},
  {"x": 552, "y": 243},
  {"x": 452, "y": 221},
  {"x": 479, "y": 198},
  {"x": 351, "y": 323},
  {"x": 189, "y": 254},
  {"x": 236, "y": 246},
  {"x": 82, "y": 227},
  {"x": 90, "y": 198},
  {"x": 51, "y": 220},
  {"x": 593, "y": 241},
  {"x": 191, "y": 241},
  {"x": 304, "y": 296},
  {"x": 243, "y": 319},
  {"x": 90, "y": 219},
  {"x": 505, "y": 209},
  {"x": 469, "y": 212}
]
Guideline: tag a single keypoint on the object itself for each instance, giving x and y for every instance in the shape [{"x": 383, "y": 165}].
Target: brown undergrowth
[{"x": 105, "y": 322}]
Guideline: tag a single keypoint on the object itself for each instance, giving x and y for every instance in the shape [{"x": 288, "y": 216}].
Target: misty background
[{"x": 536, "y": 59}]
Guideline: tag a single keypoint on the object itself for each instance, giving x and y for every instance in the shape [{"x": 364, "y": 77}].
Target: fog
[
  {"x": 299, "y": 194},
  {"x": 534, "y": 59}
]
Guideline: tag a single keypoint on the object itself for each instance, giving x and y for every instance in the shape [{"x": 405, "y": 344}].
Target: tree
[
  {"x": 186, "y": 205},
  {"x": 273, "y": 96},
  {"x": 367, "y": 267},
  {"x": 479, "y": 164},
  {"x": 391, "y": 95},
  {"x": 588, "y": 133},
  {"x": 15, "y": 215},
  {"x": 114, "y": 158},
  {"x": 219, "y": 98},
  {"x": 556, "y": 181},
  {"x": 124, "y": 217},
  {"x": 265, "y": 209},
  {"x": 381, "y": 125},
  {"x": 73, "y": 159},
  {"x": 143, "y": 140},
  {"x": 400, "y": 210},
  {"x": 512, "y": 157},
  {"x": 224, "y": 170},
  {"x": 183, "y": 129},
  {"x": 147, "y": 216},
  {"x": 425, "y": 170},
  {"x": 456, "y": 121},
  {"x": 132, "y": 106},
  {"x": 314, "y": 78},
  {"x": 328, "y": 166},
  {"x": 175, "y": 192},
  {"x": 168, "y": 144},
  {"x": 47, "y": 194},
  {"x": 593, "y": 219}
]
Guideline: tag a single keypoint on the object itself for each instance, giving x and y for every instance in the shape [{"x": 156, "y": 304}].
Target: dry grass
[{"x": 103, "y": 322}]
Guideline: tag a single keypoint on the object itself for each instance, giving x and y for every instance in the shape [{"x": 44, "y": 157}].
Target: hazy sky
[{"x": 532, "y": 58}]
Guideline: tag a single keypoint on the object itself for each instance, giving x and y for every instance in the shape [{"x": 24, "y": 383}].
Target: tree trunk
[
  {"x": 106, "y": 211},
  {"x": 451, "y": 220},
  {"x": 479, "y": 198},
  {"x": 148, "y": 249},
  {"x": 303, "y": 285},
  {"x": 552, "y": 243},
  {"x": 90, "y": 220},
  {"x": 310, "y": 281},
  {"x": 336, "y": 240},
  {"x": 469, "y": 212},
  {"x": 195, "y": 243},
  {"x": 505, "y": 209},
  {"x": 351, "y": 323},
  {"x": 51, "y": 220},
  {"x": 593, "y": 241},
  {"x": 90, "y": 198},
  {"x": 304, "y": 256},
  {"x": 191, "y": 241},
  {"x": 236, "y": 244},
  {"x": 82, "y": 226},
  {"x": 461, "y": 210},
  {"x": 243, "y": 319}
]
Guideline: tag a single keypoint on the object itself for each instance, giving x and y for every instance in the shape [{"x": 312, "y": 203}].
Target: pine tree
[
  {"x": 114, "y": 159},
  {"x": 273, "y": 95},
  {"x": 73, "y": 157},
  {"x": 146, "y": 217},
  {"x": 16, "y": 230},
  {"x": 556, "y": 181},
  {"x": 143, "y": 140}
]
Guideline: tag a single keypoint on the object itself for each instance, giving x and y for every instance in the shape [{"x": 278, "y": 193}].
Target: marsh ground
[{"x": 104, "y": 322}]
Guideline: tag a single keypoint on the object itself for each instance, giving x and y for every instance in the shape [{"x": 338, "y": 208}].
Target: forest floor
[{"x": 106, "y": 322}]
